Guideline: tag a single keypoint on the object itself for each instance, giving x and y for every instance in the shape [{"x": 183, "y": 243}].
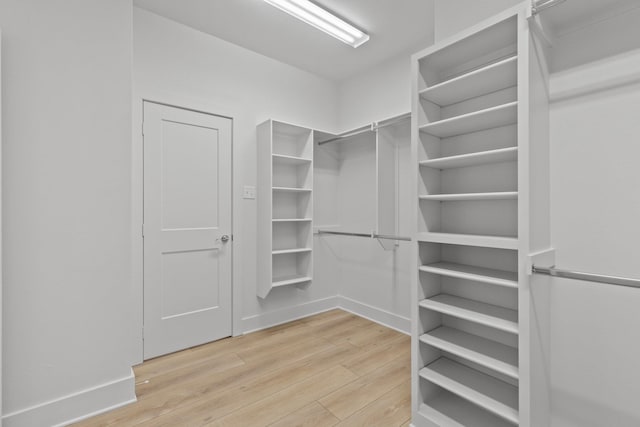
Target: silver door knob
[{"x": 224, "y": 238}]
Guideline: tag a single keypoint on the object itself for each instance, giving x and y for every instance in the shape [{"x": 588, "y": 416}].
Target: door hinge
[{"x": 143, "y": 230}]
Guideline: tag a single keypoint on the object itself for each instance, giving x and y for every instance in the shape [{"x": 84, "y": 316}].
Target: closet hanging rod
[
  {"x": 589, "y": 277},
  {"x": 368, "y": 128},
  {"x": 539, "y": 6},
  {"x": 367, "y": 235}
]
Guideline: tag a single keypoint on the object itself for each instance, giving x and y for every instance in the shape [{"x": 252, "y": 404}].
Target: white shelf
[
  {"x": 289, "y": 280},
  {"x": 291, "y": 251},
  {"x": 483, "y": 390},
  {"x": 470, "y": 240},
  {"x": 291, "y": 190},
  {"x": 284, "y": 240},
  {"x": 493, "y": 316},
  {"x": 473, "y": 159},
  {"x": 501, "y": 115},
  {"x": 292, "y": 220},
  {"x": 493, "y": 77},
  {"x": 503, "y": 195},
  {"x": 493, "y": 355},
  {"x": 449, "y": 410},
  {"x": 290, "y": 160},
  {"x": 477, "y": 274}
]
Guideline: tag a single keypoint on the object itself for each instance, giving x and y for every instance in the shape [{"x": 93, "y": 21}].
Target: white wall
[
  {"x": 382, "y": 92},
  {"x": 66, "y": 84},
  {"x": 453, "y": 16},
  {"x": 174, "y": 62},
  {"x": 374, "y": 282}
]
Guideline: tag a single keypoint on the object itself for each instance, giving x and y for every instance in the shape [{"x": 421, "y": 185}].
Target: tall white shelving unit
[
  {"x": 285, "y": 206},
  {"x": 480, "y": 146}
]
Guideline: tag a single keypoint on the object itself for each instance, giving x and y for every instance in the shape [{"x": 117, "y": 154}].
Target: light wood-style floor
[{"x": 332, "y": 369}]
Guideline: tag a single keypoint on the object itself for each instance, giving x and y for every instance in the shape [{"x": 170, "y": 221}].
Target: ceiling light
[{"x": 314, "y": 15}]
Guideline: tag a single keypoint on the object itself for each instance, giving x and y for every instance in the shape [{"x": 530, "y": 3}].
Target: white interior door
[{"x": 187, "y": 228}]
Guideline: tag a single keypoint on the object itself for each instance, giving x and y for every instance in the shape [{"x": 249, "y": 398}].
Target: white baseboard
[
  {"x": 383, "y": 317},
  {"x": 76, "y": 406},
  {"x": 278, "y": 317}
]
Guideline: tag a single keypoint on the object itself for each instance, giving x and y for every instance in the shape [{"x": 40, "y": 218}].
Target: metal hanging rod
[
  {"x": 368, "y": 128},
  {"x": 539, "y": 6},
  {"x": 589, "y": 277},
  {"x": 367, "y": 235}
]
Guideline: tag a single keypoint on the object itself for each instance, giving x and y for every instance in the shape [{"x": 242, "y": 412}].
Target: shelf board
[
  {"x": 470, "y": 240},
  {"x": 291, "y": 190},
  {"x": 493, "y": 316},
  {"x": 493, "y": 77},
  {"x": 503, "y": 195},
  {"x": 290, "y": 160},
  {"x": 476, "y": 274},
  {"x": 291, "y": 220},
  {"x": 291, "y": 251},
  {"x": 493, "y": 355},
  {"x": 473, "y": 159},
  {"x": 289, "y": 280},
  {"x": 489, "y": 118},
  {"x": 481, "y": 389},
  {"x": 449, "y": 410}
]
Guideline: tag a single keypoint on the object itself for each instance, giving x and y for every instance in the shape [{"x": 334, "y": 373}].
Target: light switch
[{"x": 249, "y": 192}]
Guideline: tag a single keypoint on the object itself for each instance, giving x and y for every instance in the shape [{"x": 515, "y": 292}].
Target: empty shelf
[
  {"x": 493, "y": 316},
  {"x": 491, "y": 354},
  {"x": 489, "y": 118},
  {"x": 503, "y": 195},
  {"x": 484, "y": 390},
  {"x": 292, "y": 220},
  {"x": 477, "y": 274},
  {"x": 473, "y": 159},
  {"x": 289, "y": 280},
  {"x": 491, "y": 78},
  {"x": 291, "y": 190},
  {"x": 291, "y": 251},
  {"x": 449, "y": 410},
  {"x": 470, "y": 240},
  {"x": 291, "y": 160}
]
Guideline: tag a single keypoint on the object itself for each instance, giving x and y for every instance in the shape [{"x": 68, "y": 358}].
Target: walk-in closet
[{"x": 322, "y": 213}]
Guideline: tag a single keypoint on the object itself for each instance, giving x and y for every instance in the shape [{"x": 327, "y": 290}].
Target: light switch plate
[{"x": 249, "y": 192}]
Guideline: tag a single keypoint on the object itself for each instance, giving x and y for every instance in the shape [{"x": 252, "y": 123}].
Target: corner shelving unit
[
  {"x": 480, "y": 115},
  {"x": 285, "y": 206}
]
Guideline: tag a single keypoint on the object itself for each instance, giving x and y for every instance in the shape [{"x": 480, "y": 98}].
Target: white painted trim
[
  {"x": 278, "y": 317},
  {"x": 383, "y": 317},
  {"x": 289, "y": 314},
  {"x": 76, "y": 406},
  {"x": 209, "y": 107}
]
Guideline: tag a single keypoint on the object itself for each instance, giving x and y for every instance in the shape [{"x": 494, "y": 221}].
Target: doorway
[{"x": 187, "y": 239}]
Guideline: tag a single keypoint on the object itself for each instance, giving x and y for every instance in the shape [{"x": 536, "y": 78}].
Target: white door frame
[{"x": 137, "y": 200}]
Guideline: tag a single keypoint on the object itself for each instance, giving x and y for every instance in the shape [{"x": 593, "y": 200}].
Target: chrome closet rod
[
  {"x": 539, "y": 6},
  {"x": 368, "y": 128},
  {"x": 367, "y": 235},
  {"x": 589, "y": 277}
]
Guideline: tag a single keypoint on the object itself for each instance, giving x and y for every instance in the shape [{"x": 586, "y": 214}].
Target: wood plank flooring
[{"x": 332, "y": 369}]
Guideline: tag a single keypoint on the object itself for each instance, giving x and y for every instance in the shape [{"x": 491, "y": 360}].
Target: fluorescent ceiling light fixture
[{"x": 316, "y": 16}]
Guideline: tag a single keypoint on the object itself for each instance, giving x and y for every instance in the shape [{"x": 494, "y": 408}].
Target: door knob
[{"x": 224, "y": 238}]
